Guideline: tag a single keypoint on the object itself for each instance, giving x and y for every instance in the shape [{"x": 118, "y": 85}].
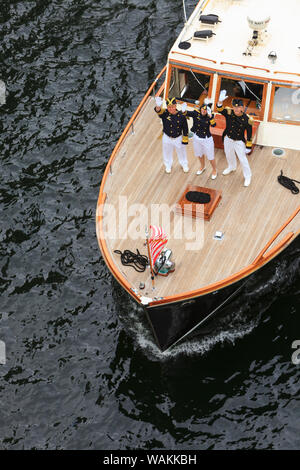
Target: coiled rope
[
  {"x": 135, "y": 260},
  {"x": 288, "y": 183}
]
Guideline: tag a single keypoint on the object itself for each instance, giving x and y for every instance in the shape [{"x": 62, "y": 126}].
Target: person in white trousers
[
  {"x": 203, "y": 141},
  {"x": 237, "y": 123},
  {"x": 175, "y": 133}
]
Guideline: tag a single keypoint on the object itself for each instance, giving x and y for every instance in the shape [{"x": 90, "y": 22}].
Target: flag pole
[{"x": 149, "y": 256}]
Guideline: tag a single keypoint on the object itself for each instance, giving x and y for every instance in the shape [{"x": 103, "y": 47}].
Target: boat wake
[
  {"x": 244, "y": 316},
  {"x": 220, "y": 334},
  {"x": 195, "y": 346}
]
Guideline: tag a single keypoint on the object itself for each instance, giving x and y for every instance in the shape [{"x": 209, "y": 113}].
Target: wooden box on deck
[{"x": 185, "y": 207}]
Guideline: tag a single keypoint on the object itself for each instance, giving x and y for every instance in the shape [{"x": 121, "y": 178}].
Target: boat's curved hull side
[{"x": 173, "y": 321}]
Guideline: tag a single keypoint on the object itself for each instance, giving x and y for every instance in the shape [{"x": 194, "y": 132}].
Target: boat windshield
[
  {"x": 285, "y": 106},
  {"x": 251, "y": 93},
  {"x": 190, "y": 84}
]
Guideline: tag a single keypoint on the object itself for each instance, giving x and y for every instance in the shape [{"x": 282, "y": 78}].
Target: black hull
[{"x": 171, "y": 322}]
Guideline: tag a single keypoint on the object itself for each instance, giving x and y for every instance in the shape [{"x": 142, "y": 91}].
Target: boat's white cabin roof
[{"x": 233, "y": 33}]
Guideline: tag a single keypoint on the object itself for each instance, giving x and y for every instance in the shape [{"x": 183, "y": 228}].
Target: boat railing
[
  {"x": 194, "y": 56},
  {"x": 287, "y": 73},
  {"x": 245, "y": 66},
  {"x": 105, "y": 250},
  {"x": 102, "y": 195},
  {"x": 263, "y": 255}
]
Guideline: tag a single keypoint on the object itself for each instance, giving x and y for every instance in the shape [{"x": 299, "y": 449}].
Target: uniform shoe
[
  {"x": 168, "y": 170},
  {"x": 199, "y": 172},
  {"x": 247, "y": 181},
  {"x": 213, "y": 177},
  {"x": 185, "y": 169},
  {"x": 228, "y": 170}
]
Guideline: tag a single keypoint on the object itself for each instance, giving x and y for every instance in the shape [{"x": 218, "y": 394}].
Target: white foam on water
[
  {"x": 241, "y": 324},
  {"x": 195, "y": 346},
  {"x": 241, "y": 321}
]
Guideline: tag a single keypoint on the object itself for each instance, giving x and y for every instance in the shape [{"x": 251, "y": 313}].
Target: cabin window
[
  {"x": 285, "y": 104},
  {"x": 189, "y": 84},
  {"x": 251, "y": 93}
]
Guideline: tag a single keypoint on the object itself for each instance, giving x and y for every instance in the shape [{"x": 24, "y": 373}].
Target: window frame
[
  {"x": 194, "y": 69},
  {"x": 272, "y": 97},
  {"x": 260, "y": 81}
]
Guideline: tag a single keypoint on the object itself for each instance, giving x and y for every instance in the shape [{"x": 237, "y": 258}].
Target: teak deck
[{"x": 249, "y": 217}]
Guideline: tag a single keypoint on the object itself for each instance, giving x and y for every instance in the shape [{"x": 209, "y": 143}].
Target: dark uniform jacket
[
  {"x": 201, "y": 123},
  {"x": 174, "y": 125},
  {"x": 237, "y": 125}
]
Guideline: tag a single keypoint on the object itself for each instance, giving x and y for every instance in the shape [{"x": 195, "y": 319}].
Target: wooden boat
[{"x": 260, "y": 223}]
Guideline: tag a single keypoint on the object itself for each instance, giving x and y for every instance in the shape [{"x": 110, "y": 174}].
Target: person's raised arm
[
  {"x": 220, "y": 106},
  {"x": 158, "y": 102}
]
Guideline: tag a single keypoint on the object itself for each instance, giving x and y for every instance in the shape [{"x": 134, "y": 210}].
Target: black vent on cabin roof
[
  {"x": 204, "y": 34},
  {"x": 209, "y": 19}
]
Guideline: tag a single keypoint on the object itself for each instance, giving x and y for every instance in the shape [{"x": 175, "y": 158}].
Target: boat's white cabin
[{"x": 254, "y": 53}]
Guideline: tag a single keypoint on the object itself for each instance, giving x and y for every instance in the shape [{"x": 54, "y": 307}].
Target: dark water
[{"x": 82, "y": 371}]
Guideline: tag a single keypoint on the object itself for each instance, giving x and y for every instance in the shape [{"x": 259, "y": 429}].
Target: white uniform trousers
[
  {"x": 169, "y": 144},
  {"x": 204, "y": 146},
  {"x": 237, "y": 147}
]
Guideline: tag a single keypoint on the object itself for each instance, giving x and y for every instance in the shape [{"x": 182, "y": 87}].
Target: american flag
[{"x": 157, "y": 241}]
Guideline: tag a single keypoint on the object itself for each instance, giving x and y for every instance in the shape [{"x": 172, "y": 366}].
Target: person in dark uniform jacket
[
  {"x": 175, "y": 133},
  {"x": 237, "y": 124},
  {"x": 203, "y": 141}
]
